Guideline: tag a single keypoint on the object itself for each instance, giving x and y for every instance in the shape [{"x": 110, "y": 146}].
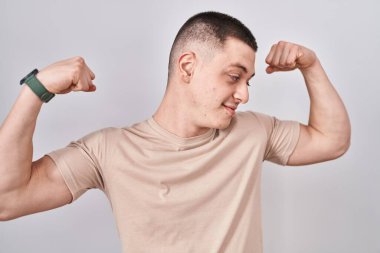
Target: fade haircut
[{"x": 211, "y": 28}]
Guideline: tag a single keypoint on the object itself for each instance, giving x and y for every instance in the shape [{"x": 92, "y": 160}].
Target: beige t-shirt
[{"x": 174, "y": 195}]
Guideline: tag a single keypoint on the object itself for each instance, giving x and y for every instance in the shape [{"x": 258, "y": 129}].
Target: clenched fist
[
  {"x": 286, "y": 56},
  {"x": 68, "y": 75}
]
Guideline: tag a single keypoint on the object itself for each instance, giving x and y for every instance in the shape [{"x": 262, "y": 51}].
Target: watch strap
[{"x": 37, "y": 87}]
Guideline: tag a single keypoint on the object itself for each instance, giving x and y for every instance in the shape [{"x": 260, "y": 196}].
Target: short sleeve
[
  {"x": 79, "y": 164},
  {"x": 282, "y": 138}
]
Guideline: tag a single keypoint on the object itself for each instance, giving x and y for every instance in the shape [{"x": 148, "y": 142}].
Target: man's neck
[{"x": 173, "y": 115}]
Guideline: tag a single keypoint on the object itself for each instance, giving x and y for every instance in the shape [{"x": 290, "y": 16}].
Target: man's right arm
[{"x": 28, "y": 187}]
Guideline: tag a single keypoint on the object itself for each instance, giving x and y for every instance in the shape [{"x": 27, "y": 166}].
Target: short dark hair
[{"x": 213, "y": 28}]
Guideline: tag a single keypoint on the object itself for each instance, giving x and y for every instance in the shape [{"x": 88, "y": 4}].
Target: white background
[{"x": 331, "y": 207}]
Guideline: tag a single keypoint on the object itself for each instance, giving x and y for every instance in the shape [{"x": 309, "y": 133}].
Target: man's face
[{"x": 220, "y": 84}]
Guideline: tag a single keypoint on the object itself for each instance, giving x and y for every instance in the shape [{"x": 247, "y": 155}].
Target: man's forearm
[
  {"x": 16, "y": 148},
  {"x": 327, "y": 135},
  {"x": 16, "y": 133},
  {"x": 25, "y": 186},
  {"x": 328, "y": 114}
]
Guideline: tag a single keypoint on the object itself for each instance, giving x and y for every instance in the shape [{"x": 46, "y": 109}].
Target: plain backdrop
[{"x": 331, "y": 207}]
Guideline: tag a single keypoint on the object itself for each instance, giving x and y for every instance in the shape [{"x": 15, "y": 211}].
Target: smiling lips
[{"x": 230, "y": 109}]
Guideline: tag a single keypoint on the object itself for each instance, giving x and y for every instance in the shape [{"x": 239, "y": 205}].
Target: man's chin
[{"x": 223, "y": 124}]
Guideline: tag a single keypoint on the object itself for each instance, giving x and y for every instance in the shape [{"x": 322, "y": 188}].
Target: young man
[{"x": 188, "y": 178}]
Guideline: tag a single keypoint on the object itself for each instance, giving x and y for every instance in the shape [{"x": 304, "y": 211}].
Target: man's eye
[
  {"x": 248, "y": 84},
  {"x": 235, "y": 78}
]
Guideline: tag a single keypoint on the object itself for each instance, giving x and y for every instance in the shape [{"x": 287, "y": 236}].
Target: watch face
[{"x": 34, "y": 72}]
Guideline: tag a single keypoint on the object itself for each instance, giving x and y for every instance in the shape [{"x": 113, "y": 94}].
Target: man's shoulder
[
  {"x": 252, "y": 116},
  {"x": 120, "y": 130},
  {"x": 253, "y": 121},
  {"x": 101, "y": 135}
]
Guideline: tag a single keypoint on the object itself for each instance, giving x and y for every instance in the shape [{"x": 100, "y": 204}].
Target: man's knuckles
[{"x": 78, "y": 60}]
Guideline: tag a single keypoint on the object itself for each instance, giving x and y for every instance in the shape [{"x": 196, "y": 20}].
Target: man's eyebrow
[{"x": 242, "y": 67}]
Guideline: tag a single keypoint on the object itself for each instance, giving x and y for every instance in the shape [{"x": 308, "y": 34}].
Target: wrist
[
  {"x": 27, "y": 94},
  {"x": 315, "y": 66},
  {"x": 37, "y": 87}
]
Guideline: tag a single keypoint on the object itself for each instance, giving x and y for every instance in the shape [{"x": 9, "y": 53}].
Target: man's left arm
[{"x": 327, "y": 135}]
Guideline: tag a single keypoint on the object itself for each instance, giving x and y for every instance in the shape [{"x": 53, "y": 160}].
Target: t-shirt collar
[{"x": 183, "y": 143}]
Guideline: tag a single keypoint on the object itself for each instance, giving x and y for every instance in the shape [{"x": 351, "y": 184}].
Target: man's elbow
[
  {"x": 5, "y": 215},
  {"x": 8, "y": 211},
  {"x": 341, "y": 147}
]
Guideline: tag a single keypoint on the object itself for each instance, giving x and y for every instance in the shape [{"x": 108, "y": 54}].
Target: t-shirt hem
[
  {"x": 62, "y": 168},
  {"x": 293, "y": 143}
]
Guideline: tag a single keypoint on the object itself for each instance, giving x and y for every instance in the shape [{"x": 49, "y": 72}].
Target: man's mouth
[{"x": 230, "y": 109}]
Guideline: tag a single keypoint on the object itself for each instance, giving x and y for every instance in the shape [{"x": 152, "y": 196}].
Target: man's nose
[{"x": 241, "y": 93}]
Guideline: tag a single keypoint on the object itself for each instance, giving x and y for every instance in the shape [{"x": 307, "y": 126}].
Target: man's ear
[{"x": 186, "y": 65}]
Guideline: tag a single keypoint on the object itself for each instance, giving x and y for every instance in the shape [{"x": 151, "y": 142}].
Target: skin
[
  {"x": 197, "y": 99},
  {"x": 328, "y": 132},
  {"x": 196, "y": 95}
]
